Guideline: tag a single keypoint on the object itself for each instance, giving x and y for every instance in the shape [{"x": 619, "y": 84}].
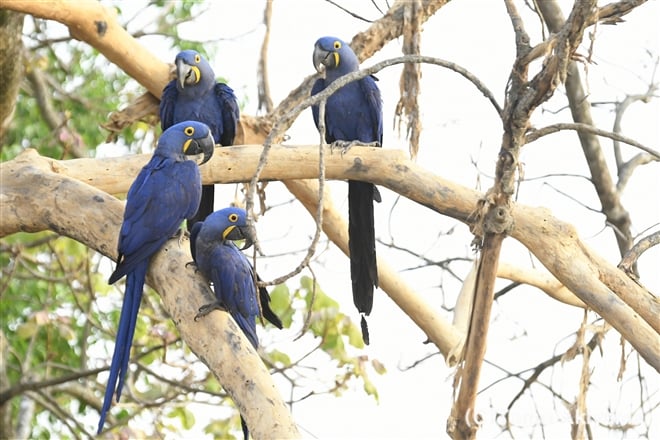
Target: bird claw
[
  {"x": 193, "y": 264},
  {"x": 344, "y": 146},
  {"x": 208, "y": 308},
  {"x": 180, "y": 234}
]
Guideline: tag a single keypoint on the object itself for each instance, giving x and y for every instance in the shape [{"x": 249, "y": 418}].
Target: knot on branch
[
  {"x": 498, "y": 220},
  {"x": 490, "y": 217}
]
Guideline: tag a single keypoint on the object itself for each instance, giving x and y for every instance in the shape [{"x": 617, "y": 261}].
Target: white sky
[{"x": 460, "y": 128}]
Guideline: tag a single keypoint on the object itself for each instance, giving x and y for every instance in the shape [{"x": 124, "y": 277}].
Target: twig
[
  {"x": 583, "y": 127},
  {"x": 643, "y": 245}
]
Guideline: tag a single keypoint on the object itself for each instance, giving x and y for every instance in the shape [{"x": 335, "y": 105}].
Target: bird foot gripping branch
[{"x": 344, "y": 146}]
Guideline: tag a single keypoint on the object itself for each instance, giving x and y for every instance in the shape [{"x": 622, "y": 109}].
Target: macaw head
[
  {"x": 192, "y": 69},
  {"x": 188, "y": 138},
  {"x": 228, "y": 224},
  {"x": 334, "y": 55}
]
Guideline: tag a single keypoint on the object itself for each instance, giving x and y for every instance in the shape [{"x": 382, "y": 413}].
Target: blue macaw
[
  {"x": 195, "y": 95},
  {"x": 264, "y": 297},
  {"x": 166, "y": 191},
  {"x": 224, "y": 265},
  {"x": 353, "y": 114}
]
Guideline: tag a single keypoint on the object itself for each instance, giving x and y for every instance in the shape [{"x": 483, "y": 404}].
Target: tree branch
[
  {"x": 36, "y": 198},
  {"x": 587, "y": 128},
  {"x": 628, "y": 307},
  {"x": 11, "y": 64},
  {"x": 605, "y": 188},
  {"x": 90, "y": 21},
  {"x": 630, "y": 258}
]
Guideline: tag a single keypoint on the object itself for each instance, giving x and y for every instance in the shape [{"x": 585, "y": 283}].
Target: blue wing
[
  {"x": 163, "y": 194},
  {"x": 233, "y": 284},
  {"x": 353, "y": 112},
  {"x": 226, "y": 99},
  {"x": 167, "y": 103},
  {"x": 372, "y": 125},
  {"x": 194, "y": 232},
  {"x": 157, "y": 203}
]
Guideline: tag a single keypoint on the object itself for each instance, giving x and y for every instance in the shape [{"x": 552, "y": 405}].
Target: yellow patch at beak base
[
  {"x": 227, "y": 231},
  {"x": 198, "y": 75}
]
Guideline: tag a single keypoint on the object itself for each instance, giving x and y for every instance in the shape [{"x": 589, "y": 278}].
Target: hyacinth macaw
[
  {"x": 167, "y": 190},
  {"x": 224, "y": 265},
  {"x": 195, "y": 95},
  {"x": 353, "y": 114}
]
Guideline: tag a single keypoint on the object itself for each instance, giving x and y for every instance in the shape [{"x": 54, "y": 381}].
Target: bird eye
[
  {"x": 337, "y": 44},
  {"x": 189, "y": 131},
  {"x": 198, "y": 58},
  {"x": 233, "y": 218}
]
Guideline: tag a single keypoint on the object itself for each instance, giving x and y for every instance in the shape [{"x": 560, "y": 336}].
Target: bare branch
[
  {"x": 264, "y": 101},
  {"x": 632, "y": 310},
  {"x": 22, "y": 387},
  {"x": 409, "y": 85},
  {"x": 11, "y": 65},
  {"x": 610, "y": 200},
  {"x": 587, "y": 128},
  {"x": 637, "y": 250}
]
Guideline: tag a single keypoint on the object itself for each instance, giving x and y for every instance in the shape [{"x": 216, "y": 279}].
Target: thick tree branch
[
  {"x": 541, "y": 280},
  {"x": 11, "y": 65},
  {"x": 90, "y": 21},
  {"x": 493, "y": 218},
  {"x": 612, "y": 207},
  {"x": 36, "y": 198},
  {"x": 632, "y": 310}
]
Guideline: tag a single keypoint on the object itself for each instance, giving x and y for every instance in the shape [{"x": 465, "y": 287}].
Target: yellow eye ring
[
  {"x": 233, "y": 218},
  {"x": 189, "y": 131},
  {"x": 337, "y": 44},
  {"x": 198, "y": 58}
]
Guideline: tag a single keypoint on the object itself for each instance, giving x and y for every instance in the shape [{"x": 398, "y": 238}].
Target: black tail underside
[
  {"x": 205, "y": 206},
  {"x": 362, "y": 247}
]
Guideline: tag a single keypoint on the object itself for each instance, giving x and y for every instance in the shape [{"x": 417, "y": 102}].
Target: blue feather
[
  {"x": 195, "y": 95},
  {"x": 224, "y": 265},
  {"x": 353, "y": 113},
  {"x": 165, "y": 192}
]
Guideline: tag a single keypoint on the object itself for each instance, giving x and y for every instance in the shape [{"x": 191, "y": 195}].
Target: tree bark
[
  {"x": 11, "y": 65},
  {"x": 35, "y": 198},
  {"x": 90, "y": 21},
  {"x": 628, "y": 307}
]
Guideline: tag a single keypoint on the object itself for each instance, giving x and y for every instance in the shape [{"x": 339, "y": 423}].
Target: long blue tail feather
[{"x": 124, "y": 339}]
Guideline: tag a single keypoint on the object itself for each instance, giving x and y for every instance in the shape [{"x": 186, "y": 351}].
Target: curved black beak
[
  {"x": 201, "y": 145},
  {"x": 240, "y": 233},
  {"x": 323, "y": 59}
]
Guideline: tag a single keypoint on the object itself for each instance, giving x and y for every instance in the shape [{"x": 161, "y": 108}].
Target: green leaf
[
  {"x": 184, "y": 415},
  {"x": 280, "y": 303}
]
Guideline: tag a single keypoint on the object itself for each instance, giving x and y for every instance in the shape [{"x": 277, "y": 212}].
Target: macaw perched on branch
[
  {"x": 233, "y": 278},
  {"x": 353, "y": 115},
  {"x": 232, "y": 275},
  {"x": 166, "y": 191},
  {"x": 195, "y": 95}
]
